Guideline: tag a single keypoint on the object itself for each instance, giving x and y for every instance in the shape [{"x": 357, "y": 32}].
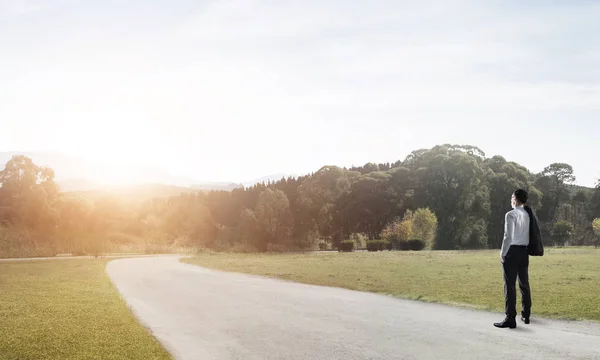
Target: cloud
[
  {"x": 416, "y": 54},
  {"x": 19, "y": 7}
]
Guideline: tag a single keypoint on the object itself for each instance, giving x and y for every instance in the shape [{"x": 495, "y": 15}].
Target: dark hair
[{"x": 521, "y": 196}]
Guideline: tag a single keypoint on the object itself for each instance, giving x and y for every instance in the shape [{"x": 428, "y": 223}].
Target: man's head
[{"x": 519, "y": 197}]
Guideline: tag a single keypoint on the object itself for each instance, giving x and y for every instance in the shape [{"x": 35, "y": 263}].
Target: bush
[
  {"x": 425, "y": 226},
  {"x": 16, "y": 243},
  {"x": 150, "y": 249},
  {"x": 359, "y": 239},
  {"x": 416, "y": 244},
  {"x": 377, "y": 245},
  {"x": 388, "y": 245},
  {"x": 203, "y": 251},
  {"x": 372, "y": 245},
  {"x": 347, "y": 246},
  {"x": 120, "y": 238},
  {"x": 398, "y": 231},
  {"x": 402, "y": 245},
  {"x": 277, "y": 248},
  {"x": 322, "y": 246},
  {"x": 596, "y": 229},
  {"x": 562, "y": 232},
  {"x": 243, "y": 248}
]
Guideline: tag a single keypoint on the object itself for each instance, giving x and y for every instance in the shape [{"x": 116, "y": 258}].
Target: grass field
[
  {"x": 565, "y": 282},
  {"x": 67, "y": 309}
]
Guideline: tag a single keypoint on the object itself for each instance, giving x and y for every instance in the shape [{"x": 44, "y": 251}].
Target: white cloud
[{"x": 448, "y": 54}]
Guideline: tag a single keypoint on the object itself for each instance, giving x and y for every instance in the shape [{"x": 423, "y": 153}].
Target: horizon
[
  {"x": 236, "y": 90},
  {"x": 142, "y": 180}
]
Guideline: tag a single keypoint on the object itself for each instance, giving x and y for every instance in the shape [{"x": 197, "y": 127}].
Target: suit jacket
[{"x": 535, "y": 247}]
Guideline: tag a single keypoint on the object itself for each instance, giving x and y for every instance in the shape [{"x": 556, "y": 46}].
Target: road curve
[
  {"x": 70, "y": 257},
  {"x": 198, "y": 313}
]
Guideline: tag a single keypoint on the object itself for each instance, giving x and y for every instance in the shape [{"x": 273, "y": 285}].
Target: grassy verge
[
  {"x": 67, "y": 309},
  {"x": 565, "y": 282}
]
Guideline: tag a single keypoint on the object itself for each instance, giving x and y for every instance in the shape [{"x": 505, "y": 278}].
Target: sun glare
[{"x": 106, "y": 171}]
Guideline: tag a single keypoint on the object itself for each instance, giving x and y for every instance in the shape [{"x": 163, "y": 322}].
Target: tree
[
  {"x": 450, "y": 196},
  {"x": 594, "y": 203},
  {"x": 248, "y": 229},
  {"x": 562, "y": 173},
  {"x": 28, "y": 197},
  {"x": 370, "y": 167},
  {"x": 399, "y": 231},
  {"x": 424, "y": 226},
  {"x": 325, "y": 225},
  {"x": 21, "y": 175},
  {"x": 370, "y": 204},
  {"x": 73, "y": 225},
  {"x": 325, "y": 187},
  {"x": 316, "y": 193},
  {"x": 29, "y": 194},
  {"x": 581, "y": 197},
  {"x": 187, "y": 218},
  {"x": 451, "y": 182},
  {"x": 553, "y": 182},
  {"x": 503, "y": 178},
  {"x": 596, "y": 227},
  {"x": 223, "y": 210},
  {"x": 562, "y": 231},
  {"x": 273, "y": 216}
]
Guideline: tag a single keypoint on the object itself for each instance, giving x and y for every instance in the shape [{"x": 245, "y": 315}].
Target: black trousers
[{"x": 516, "y": 264}]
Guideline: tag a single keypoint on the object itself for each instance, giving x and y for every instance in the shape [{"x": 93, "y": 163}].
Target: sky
[{"x": 233, "y": 90}]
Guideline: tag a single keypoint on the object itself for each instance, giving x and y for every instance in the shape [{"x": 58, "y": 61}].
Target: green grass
[
  {"x": 67, "y": 309},
  {"x": 565, "y": 282}
]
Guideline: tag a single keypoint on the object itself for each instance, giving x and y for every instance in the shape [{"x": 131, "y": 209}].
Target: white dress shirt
[{"x": 516, "y": 229}]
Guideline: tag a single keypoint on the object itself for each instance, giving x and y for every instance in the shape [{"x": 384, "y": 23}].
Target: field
[
  {"x": 565, "y": 282},
  {"x": 67, "y": 309}
]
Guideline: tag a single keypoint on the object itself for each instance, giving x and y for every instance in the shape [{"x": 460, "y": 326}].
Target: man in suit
[{"x": 515, "y": 260}]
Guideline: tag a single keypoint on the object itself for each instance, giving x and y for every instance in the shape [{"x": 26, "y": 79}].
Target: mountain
[
  {"x": 131, "y": 194},
  {"x": 75, "y": 171},
  {"x": 74, "y": 174},
  {"x": 216, "y": 186},
  {"x": 77, "y": 185}
]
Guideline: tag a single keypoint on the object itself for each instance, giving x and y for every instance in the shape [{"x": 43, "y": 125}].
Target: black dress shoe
[
  {"x": 507, "y": 323},
  {"x": 524, "y": 318}
]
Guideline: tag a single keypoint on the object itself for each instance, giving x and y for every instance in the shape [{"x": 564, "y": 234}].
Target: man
[{"x": 515, "y": 260}]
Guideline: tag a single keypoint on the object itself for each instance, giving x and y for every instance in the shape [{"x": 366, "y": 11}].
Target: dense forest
[{"x": 449, "y": 197}]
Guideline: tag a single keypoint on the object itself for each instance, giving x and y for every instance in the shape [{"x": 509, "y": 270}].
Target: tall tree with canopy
[
  {"x": 273, "y": 216},
  {"x": 503, "y": 178},
  {"x": 552, "y": 182},
  {"x": 28, "y": 195},
  {"x": 370, "y": 204},
  {"x": 318, "y": 195},
  {"x": 451, "y": 182}
]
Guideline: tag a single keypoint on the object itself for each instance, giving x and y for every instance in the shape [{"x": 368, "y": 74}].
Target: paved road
[
  {"x": 198, "y": 313},
  {"x": 68, "y": 257}
]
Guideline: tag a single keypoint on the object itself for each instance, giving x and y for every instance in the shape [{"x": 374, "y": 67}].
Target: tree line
[{"x": 447, "y": 197}]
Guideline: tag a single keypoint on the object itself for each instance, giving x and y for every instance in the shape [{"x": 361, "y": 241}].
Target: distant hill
[
  {"x": 64, "y": 166},
  {"x": 77, "y": 185},
  {"x": 132, "y": 194},
  {"x": 574, "y": 189},
  {"x": 75, "y": 174},
  {"x": 216, "y": 186}
]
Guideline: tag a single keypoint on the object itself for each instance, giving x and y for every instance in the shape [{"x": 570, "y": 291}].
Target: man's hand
[{"x": 502, "y": 259}]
